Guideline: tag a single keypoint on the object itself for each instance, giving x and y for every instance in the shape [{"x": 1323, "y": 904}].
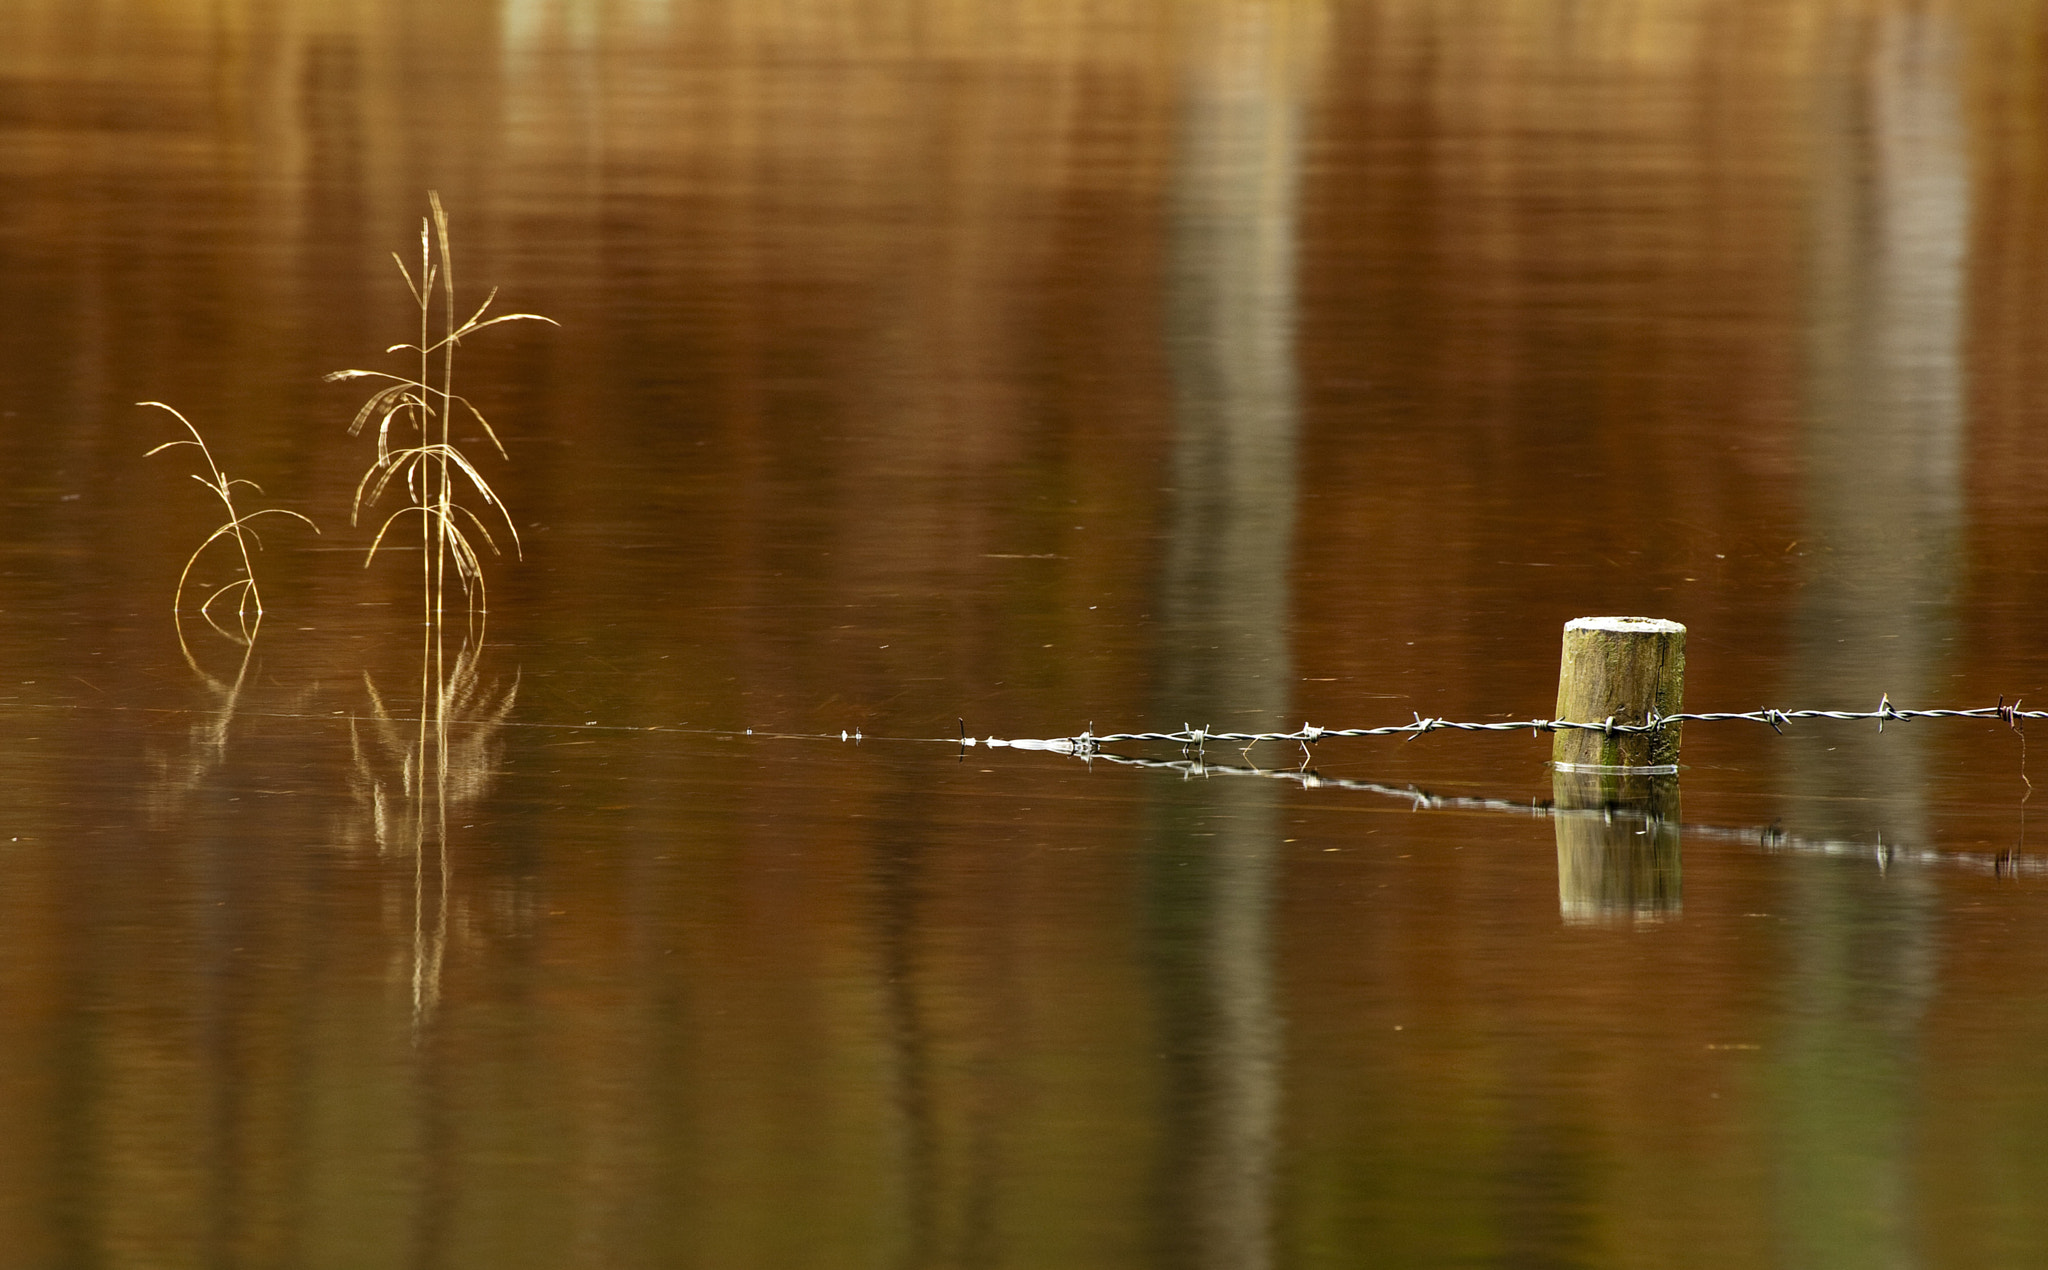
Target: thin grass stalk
[
  {"x": 444, "y": 496},
  {"x": 430, "y": 468},
  {"x": 430, "y": 541},
  {"x": 248, "y": 596}
]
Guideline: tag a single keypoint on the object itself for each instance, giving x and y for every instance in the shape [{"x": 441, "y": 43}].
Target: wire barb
[{"x": 1189, "y": 736}]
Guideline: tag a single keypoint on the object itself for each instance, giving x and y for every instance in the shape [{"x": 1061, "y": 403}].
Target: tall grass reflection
[
  {"x": 181, "y": 769},
  {"x": 411, "y": 773}
]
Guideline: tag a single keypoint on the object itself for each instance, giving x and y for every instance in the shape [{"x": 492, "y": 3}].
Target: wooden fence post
[{"x": 1626, "y": 669}]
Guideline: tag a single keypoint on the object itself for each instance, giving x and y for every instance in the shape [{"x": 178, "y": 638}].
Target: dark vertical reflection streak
[
  {"x": 899, "y": 882},
  {"x": 75, "y": 1171}
]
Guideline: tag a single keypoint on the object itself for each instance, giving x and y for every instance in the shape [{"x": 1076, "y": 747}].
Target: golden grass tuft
[{"x": 415, "y": 445}]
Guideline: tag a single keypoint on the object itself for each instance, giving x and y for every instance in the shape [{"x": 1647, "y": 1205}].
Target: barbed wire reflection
[{"x": 1768, "y": 838}]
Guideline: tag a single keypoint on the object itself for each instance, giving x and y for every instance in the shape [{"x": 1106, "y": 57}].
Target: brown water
[{"x": 1041, "y": 365}]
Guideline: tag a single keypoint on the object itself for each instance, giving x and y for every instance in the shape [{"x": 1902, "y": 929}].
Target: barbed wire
[{"x": 1089, "y": 742}]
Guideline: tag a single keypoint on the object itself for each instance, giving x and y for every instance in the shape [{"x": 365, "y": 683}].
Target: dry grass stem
[
  {"x": 248, "y": 598},
  {"x": 413, "y": 416}
]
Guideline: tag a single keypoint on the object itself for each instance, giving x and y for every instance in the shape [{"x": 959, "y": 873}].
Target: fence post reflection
[{"x": 1617, "y": 847}]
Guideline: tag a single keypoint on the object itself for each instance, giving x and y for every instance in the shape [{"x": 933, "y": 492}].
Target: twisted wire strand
[{"x": 1090, "y": 742}]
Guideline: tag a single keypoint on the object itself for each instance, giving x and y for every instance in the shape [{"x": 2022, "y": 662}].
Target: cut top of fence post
[{"x": 1629, "y": 670}]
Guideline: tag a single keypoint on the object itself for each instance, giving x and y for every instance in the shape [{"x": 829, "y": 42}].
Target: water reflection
[
  {"x": 867, "y": 303},
  {"x": 412, "y": 770},
  {"x": 1883, "y": 437},
  {"x": 1617, "y": 868},
  {"x": 182, "y": 769},
  {"x": 1226, "y": 639},
  {"x": 1635, "y": 813}
]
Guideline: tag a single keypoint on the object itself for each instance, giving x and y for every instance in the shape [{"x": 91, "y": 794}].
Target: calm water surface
[{"x": 1039, "y": 366}]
